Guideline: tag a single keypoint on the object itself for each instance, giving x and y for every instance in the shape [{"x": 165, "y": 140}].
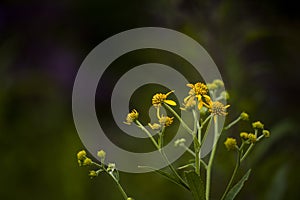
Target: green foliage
[
  {"x": 196, "y": 185},
  {"x": 236, "y": 189}
]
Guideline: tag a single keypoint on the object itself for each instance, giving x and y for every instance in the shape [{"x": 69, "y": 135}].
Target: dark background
[{"x": 255, "y": 44}]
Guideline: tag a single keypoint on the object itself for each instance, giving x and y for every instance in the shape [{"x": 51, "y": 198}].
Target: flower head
[
  {"x": 217, "y": 108},
  {"x": 81, "y": 155},
  {"x": 252, "y": 137},
  {"x": 87, "y": 162},
  {"x": 93, "y": 173},
  {"x": 154, "y": 126},
  {"x": 225, "y": 95},
  {"x": 266, "y": 133},
  {"x": 244, "y": 135},
  {"x": 166, "y": 121},
  {"x": 189, "y": 104},
  {"x": 198, "y": 89},
  {"x": 230, "y": 144},
  {"x": 244, "y": 116},
  {"x": 131, "y": 117},
  {"x": 258, "y": 125},
  {"x": 218, "y": 82},
  {"x": 160, "y": 98},
  {"x": 211, "y": 86},
  {"x": 111, "y": 167},
  {"x": 179, "y": 142},
  {"x": 101, "y": 154}
]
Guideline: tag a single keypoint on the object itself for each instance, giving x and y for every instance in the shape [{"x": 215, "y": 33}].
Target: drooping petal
[
  {"x": 170, "y": 102},
  {"x": 186, "y": 98},
  {"x": 207, "y": 98},
  {"x": 200, "y": 105},
  {"x": 190, "y": 85},
  {"x": 169, "y": 93}
]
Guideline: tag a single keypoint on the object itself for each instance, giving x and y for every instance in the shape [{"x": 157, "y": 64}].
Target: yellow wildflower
[
  {"x": 244, "y": 135},
  {"x": 189, "y": 104},
  {"x": 198, "y": 90},
  {"x": 87, "y": 162},
  {"x": 81, "y": 155},
  {"x": 230, "y": 144},
  {"x": 244, "y": 116},
  {"x": 252, "y": 137},
  {"x": 166, "y": 121},
  {"x": 93, "y": 173},
  {"x": 101, "y": 154},
  {"x": 266, "y": 133},
  {"x": 160, "y": 98},
  {"x": 131, "y": 117},
  {"x": 216, "y": 107},
  {"x": 258, "y": 125},
  {"x": 154, "y": 126}
]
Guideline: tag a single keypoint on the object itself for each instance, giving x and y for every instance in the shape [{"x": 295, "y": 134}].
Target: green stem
[
  {"x": 212, "y": 155},
  {"x": 206, "y": 132},
  {"x": 148, "y": 133},
  {"x": 232, "y": 123},
  {"x": 205, "y": 121},
  {"x": 237, "y": 165},
  {"x": 119, "y": 186},
  {"x": 188, "y": 149},
  {"x": 247, "y": 152},
  {"x": 249, "y": 149},
  {"x": 196, "y": 146},
  {"x": 179, "y": 118},
  {"x": 163, "y": 154},
  {"x": 173, "y": 169}
]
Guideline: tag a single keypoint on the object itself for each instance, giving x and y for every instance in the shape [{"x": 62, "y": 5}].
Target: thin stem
[
  {"x": 196, "y": 146},
  {"x": 212, "y": 155},
  {"x": 232, "y": 123},
  {"x": 205, "y": 121},
  {"x": 188, "y": 149},
  {"x": 148, "y": 133},
  {"x": 249, "y": 149},
  {"x": 173, "y": 169},
  {"x": 247, "y": 152},
  {"x": 237, "y": 165},
  {"x": 163, "y": 154},
  {"x": 179, "y": 118},
  {"x": 203, "y": 163},
  {"x": 119, "y": 185},
  {"x": 206, "y": 132}
]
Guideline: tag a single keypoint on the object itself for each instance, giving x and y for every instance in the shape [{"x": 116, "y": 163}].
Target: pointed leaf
[
  {"x": 196, "y": 185},
  {"x": 235, "y": 189}
]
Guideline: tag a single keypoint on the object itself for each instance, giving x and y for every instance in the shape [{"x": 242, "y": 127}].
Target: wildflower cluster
[
  {"x": 110, "y": 169},
  {"x": 206, "y": 103}
]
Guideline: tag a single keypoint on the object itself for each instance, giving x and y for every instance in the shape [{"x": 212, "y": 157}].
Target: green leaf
[
  {"x": 235, "y": 189},
  {"x": 196, "y": 185},
  {"x": 172, "y": 178}
]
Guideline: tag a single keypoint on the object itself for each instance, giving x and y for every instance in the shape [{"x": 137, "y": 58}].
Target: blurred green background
[{"x": 255, "y": 44}]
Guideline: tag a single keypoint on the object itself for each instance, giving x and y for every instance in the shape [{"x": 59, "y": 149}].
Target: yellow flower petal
[
  {"x": 169, "y": 93},
  {"x": 170, "y": 102},
  {"x": 190, "y": 85},
  {"x": 200, "y": 105},
  {"x": 207, "y": 98}
]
